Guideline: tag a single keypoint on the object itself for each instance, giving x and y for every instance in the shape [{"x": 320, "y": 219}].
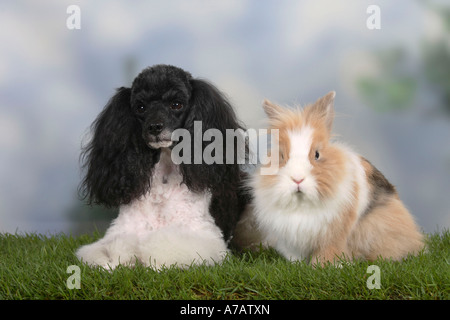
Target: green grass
[{"x": 34, "y": 267}]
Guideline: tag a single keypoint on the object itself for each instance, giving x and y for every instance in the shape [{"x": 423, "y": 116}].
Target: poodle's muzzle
[{"x": 158, "y": 124}]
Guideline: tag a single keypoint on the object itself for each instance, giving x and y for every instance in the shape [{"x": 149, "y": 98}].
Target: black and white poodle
[{"x": 168, "y": 213}]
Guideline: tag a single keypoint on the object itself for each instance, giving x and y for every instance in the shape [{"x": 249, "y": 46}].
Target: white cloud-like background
[{"x": 54, "y": 81}]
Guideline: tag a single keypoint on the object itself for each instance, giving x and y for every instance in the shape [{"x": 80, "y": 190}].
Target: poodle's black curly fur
[{"x": 119, "y": 161}]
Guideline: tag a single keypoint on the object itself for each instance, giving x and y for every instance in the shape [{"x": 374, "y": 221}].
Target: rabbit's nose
[{"x": 297, "y": 181}]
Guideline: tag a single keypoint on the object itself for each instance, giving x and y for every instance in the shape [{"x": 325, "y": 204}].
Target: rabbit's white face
[
  {"x": 295, "y": 174},
  {"x": 310, "y": 168},
  {"x": 295, "y": 183}
]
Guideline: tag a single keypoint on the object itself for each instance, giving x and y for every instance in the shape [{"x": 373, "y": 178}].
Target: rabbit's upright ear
[
  {"x": 324, "y": 108},
  {"x": 271, "y": 109},
  {"x": 116, "y": 158}
]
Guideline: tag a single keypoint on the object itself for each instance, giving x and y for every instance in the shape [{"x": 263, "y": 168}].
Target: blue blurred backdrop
[{"x": 392, "y": 83}]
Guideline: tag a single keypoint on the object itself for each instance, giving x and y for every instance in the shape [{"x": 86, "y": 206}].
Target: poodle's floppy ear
[
  {"x": 116, "y": 158},
  {"x": 209, "y": 106}
]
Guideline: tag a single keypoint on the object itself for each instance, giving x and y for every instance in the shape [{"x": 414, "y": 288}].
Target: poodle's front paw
[
  {"x": 172, "y": 246},
  {"x": 108, "y": 254}
]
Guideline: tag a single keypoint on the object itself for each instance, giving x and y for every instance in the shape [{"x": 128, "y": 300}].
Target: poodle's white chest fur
[
  {"x": 168, "y": 203},
  {"x": 169, "y": 225}
]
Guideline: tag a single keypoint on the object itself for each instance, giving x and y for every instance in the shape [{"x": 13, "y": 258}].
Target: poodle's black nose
[{"x": 155, "y": 128}]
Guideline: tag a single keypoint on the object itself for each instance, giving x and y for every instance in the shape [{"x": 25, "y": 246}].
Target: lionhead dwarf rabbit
[{"x": 325, "y": 201}]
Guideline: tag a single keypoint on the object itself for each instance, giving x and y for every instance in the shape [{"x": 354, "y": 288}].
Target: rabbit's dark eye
[{"x": 317, "y": 155}]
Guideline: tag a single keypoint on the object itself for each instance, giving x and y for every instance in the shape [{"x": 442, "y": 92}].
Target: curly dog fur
[{"x": 168, "y": 213}]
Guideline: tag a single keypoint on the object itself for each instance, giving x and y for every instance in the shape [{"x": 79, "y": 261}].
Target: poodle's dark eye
[
  {"x": 140, "y": 109},
  {"x": 317, "y": 155},
  {"x": 176, "y": 106}
]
